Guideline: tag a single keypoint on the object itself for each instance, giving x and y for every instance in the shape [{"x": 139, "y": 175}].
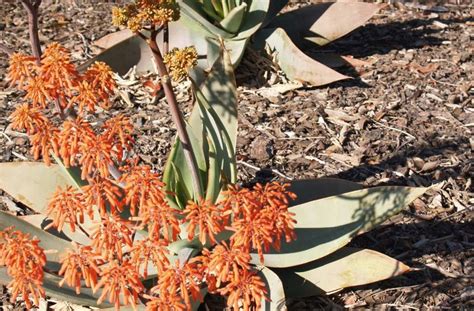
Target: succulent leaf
[
  {"x": 344, "y": 268},
  {"x": 325, "y": 225},
  {"x": 32, "y": 183},
  {"x": 316, "y": 24},
  {"x": 296, "y": 64},
  {"x": 233, "y": 20},
  {"x": 276, "y": 290}
]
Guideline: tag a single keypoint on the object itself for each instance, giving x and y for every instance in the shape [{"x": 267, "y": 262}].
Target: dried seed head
[{"x": 146, "y": 13}]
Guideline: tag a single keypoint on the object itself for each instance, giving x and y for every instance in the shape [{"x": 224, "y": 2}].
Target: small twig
[
  {"x": 6, "y": 49},
  {"x": 394, "y": 129},
  {"x": 258, "y": 169}
]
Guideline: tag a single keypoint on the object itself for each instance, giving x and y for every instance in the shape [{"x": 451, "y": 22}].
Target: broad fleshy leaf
[
  {"x": 314, "y": 189},
  {"x": 325, "y": 225},
  {"x": 41, "y": 221},
  {"x": 232, "y": 22},
  {"x": 296, "y": 64},
  {"x": 32, "y": 183},
  {"x": 322, "y": 23},
  {"x": 275, "y": 288},
  {"x": 346, "y": 267}
]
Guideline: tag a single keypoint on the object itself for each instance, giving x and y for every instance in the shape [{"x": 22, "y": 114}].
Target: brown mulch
[{"x": 407, "y": 118}]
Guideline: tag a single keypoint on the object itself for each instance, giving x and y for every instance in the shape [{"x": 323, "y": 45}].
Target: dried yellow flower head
[
  {"x": 145, "y": 13},
  {"x": 180, "y": 61}
]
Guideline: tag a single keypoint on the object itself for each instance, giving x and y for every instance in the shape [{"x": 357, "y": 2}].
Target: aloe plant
[
  {"x": 257, "y": 22},
  {"x": 328, "y": 212}
]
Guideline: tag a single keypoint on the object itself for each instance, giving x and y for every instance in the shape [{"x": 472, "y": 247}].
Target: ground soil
[{"x": 406, "y": 118}]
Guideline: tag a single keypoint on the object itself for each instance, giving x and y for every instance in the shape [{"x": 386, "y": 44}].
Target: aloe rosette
[{"x": 260, "y": 23}]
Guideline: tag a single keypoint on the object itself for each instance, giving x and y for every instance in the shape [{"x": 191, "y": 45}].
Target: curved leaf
[
  {"x": 325, "y": 225},
  {"x": 258, "y": 11},
  {"x": 47, "y": 240},
  {"x": 41, "y": 221},
  {"x": 232, "y": 22},
  {"x": 32, "y": 183},
  {"x": 347, "y": 267},
  {"x": 314, "y": 189},
  {"x": 296, "y": 65},
  {"x": 194, "y": 18},
  {"x": 276, "y": 291},
  {"x": 322, "y": 23}
]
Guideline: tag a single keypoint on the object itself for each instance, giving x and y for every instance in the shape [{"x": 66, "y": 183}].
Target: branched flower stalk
[{"x": 153, "y": 16}]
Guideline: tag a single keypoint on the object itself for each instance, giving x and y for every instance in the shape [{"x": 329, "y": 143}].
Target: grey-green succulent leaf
[
  {"x": 344, "y": 268},
  {"x": 296, "y": 64},
  {"x": 232, "y": 22},
  {"x": 41, "y": 221},
  {"x": 320, "y": 188},
  {"x": 322, "y": 23},
  {"x": 325, "y": 225},
  {"x": 32, "y": 183},
  {"x": 275, "y": 288}
]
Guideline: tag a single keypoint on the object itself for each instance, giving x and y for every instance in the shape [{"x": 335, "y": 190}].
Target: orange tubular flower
[
  {"x": 143, "y": 187},
  {"x": 204, "y": 216},
  {"x": 96, "y": 155},
  {"x": 149, "y": 250},
  {"x": 100, "y": 77},
  {"x": 165, "y": 302},
  {"x": 26, "y": 285},
  {"x": 111, "y": 235},
  {"x": 120, "y": 279},
  {"x": 160, "y": 219},
  {"x": 21, "y": 254},
  {"x": 22, "y": 68},
  {"x": 74, "y": 133},
  {"x": 38, "y": 91},
  {"x": 26, "y": 118},
  {"x": 185, "y": 279},
  {"x": 67, "y": 206},
  {"x": 253, "y": 233},
  {"x": 119, "y": 130},
  {"x": 80, "y": 263},
  {"x": 86, "y": 97},
  {"x": 25, "y": 260},
  {"x": 103, "y": 193},
  {"x": 226, "y": 263},
  {"x": 57, "y": 70},
  {"x": 45, "y": 141},
  {"x": 246, "y": 292}
]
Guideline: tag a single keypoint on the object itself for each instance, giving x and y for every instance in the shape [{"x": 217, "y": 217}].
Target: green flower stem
[{"x": 176, "y": 114}]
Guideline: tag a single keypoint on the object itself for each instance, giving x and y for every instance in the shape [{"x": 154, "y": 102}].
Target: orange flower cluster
[
  {"x": 24, "y": 259},
  {"x": 259, "y": 218},
  {"x": 121, "y": 254},
  {"x": 57, "y": 83}
]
